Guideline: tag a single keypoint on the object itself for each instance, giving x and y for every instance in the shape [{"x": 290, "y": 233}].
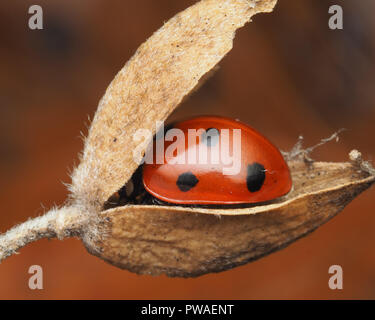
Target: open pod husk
[
  {"x": 181, "y": 241},
  {"x": 186, "y": 242}
]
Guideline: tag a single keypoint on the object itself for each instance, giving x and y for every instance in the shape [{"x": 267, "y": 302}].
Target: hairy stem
[{"x": 56, "y": 223}]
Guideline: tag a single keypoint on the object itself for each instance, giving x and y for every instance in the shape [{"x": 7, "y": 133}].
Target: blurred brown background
[{"x": 288, "y": 74}]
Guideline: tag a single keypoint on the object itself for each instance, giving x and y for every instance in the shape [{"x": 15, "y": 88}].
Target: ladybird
[{"x": 212, "y": 160}]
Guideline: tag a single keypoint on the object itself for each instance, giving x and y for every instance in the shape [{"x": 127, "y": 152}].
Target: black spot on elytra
[
  {"x": 256, "y": 174},
  {"x": 186, "y": 181},
  {"x": 211, "y": 137}
]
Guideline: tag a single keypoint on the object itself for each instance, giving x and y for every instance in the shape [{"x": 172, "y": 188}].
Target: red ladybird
[{"x": 262, "y": 173}]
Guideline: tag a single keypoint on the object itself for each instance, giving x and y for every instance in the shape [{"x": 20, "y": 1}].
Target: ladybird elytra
[{"x": 262, "y": 175}]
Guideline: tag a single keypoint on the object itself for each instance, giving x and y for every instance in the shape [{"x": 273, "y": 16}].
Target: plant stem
[{"x": 56, "y": 223}]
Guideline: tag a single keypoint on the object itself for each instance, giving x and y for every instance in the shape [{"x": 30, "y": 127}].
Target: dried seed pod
[
  {"x": 181, "y": 241},
  {"x": 186, "y": 242}
]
